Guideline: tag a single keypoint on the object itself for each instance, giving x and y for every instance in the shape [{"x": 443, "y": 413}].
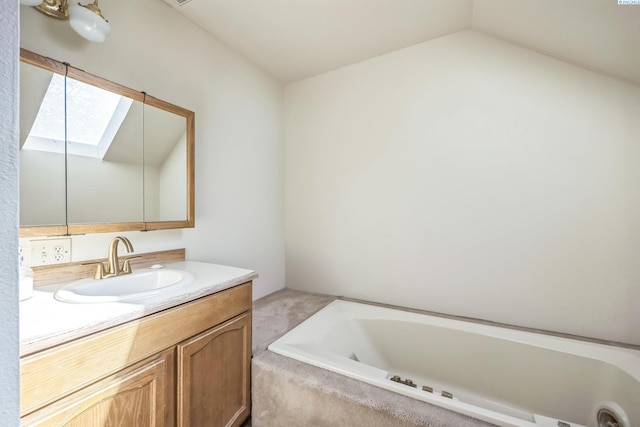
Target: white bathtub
[{"x": 503, "y": 376}]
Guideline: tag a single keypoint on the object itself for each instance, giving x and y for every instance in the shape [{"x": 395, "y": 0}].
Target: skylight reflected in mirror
[{"x": 102, "y": 113}]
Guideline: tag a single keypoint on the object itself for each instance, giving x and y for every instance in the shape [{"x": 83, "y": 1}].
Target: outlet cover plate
[{"x": 50, "y": 251}]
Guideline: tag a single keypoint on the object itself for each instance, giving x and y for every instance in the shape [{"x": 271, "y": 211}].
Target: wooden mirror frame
[{"x": 58, "y": 67}]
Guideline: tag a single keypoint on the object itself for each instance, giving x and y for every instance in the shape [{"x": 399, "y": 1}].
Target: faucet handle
[
  {"x": 99, "y": 274},
  {"x": 126, "y": 266}
]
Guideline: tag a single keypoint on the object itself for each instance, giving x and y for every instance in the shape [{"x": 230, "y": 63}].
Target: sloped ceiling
[
  {"x": 294, "y": 39},
  {"x": 599, "y": 35}
]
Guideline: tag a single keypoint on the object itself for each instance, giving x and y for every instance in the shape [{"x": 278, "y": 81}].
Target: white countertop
[{"x": 45, "y": 321}]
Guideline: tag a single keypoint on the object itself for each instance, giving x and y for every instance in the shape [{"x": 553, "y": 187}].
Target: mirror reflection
[
  {"x": 165, "y": 165},
  {"x": 96, "y": 156},
  {"x": 42, "y": 148},
  {"x": 104, "y": 156}
]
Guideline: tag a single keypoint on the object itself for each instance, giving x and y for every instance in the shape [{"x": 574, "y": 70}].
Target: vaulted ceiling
[{"x": 294, "y": 39}]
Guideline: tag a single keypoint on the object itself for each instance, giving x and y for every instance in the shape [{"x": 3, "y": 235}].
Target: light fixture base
[
  {"x": 54, "y": 8},
  {"x": 93, "y": 7}
]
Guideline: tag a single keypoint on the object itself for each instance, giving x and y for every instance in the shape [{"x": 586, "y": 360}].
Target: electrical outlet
[
  {"x": 50, "y": 251},
  {"x": 24, "y": 257}
]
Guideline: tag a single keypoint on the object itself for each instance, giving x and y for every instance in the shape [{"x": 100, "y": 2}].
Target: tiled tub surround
[
  {"x": 45, "y": 321},
  {"x": 305, "y": 384}
]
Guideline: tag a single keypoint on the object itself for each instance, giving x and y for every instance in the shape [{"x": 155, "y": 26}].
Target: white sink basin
[{"x": 139, "y": 284}]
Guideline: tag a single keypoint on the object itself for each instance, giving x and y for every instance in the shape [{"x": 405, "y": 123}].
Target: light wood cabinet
[
  {"x": 213, "y": 376},
  {"x": 138, "y": 396},
  {"x": 187, "y": 366}
]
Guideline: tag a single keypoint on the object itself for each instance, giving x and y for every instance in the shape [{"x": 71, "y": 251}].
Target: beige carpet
[{"x": 278, "y": 313}]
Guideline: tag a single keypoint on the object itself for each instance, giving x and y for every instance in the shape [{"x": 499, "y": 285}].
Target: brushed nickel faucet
[{"x": 113, "y": 269}]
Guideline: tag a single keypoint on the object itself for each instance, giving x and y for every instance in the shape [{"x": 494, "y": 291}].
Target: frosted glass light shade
[{"x": 88, "y": 24}]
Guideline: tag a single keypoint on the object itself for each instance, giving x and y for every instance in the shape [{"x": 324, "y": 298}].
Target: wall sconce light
[{"x": 86, "y": 20}]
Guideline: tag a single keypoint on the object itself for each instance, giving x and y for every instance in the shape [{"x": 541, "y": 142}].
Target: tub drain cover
[{"x": 611, "y": 414}]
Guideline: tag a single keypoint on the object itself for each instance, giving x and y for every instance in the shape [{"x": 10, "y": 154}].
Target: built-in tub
[{"x": 504, "y": 376}]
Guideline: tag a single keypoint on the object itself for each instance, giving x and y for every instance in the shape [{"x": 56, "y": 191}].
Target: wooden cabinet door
[
  {"x": 139, "y": 396},
  {"x": 213, "y": 376}
]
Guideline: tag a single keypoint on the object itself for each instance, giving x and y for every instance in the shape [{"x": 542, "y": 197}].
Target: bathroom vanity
[{"x": 186, "y": 364}]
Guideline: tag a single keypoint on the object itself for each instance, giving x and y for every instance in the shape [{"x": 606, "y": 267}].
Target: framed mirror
[{"x": 116, "y": 159}]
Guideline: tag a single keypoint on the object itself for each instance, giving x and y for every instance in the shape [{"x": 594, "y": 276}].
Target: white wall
[
  {"x": 238, "y": 107},
  {"x": 151, "y": 192},
  {"x": 103, "y": 191},
  {"x": 93, "y": 187},
  {"x": 42, "y": 201},
  {"x": 469, "y": 176},
  {"x": 9, "y": 382},
  {"x": 172, "y": 183}
]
